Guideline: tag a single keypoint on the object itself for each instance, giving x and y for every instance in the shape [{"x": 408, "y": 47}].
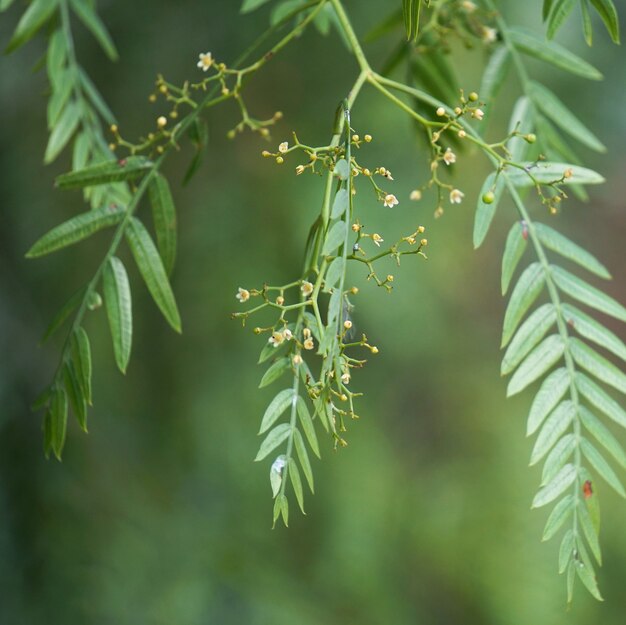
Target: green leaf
[
  {"x": 516, "y": 243},
  {"x": 277, "y": 406},
  {"x": 587, "y": 294},
  {"x": 104, "y": 173},
  {"x": 276, "y": 474},
  {"x": 76, "y": 229},
  {"x": 340, "y": 204},
  {"x": 199, "y": 135},
  {"x": 566, "y": 550},
  {"x": 528, "y": 335},
  {"x": 119, "y": 310},
  {"x": 556, "y": 242},
  {"x": 56, "y": 57},
  {"x": 334, "y": 273},
  {"x": 164, "y": 217},
  {"x": 303, "y": 456},
  {"x": 528, "y": 43},
  {"x": 281, "y": 507},
  {"x": 561, "y": 481},
  {"x": 589, "y": 328},
  {"x": 5, "y": 4},
  {"x": 66, "y": 310},
  {"x": 526, "y": 291},
  {"x": 548, "y": 396},
  {"x": 586, "y": 574},
  {"x": 59, "y": 98},
  {"x": 552, "y": 430},
  {"x": 93, "y": 23},
  {"x": 58, "y": 421},
  {"x": 595, "y": 427},
  {"x": 81, "y": 358},
  {"x": 601, "y": 466},
  {"x": 597, "y": 365},
  {"x": 269, "y": 350},
  {"x": 75, "y": 395},
  {"x": 607, "y": 11},
  {"x": 274, "y": 372},
  {"x": 586, "y": 19},
  {"x": 96, "y": 99},
  {"x": 558, "y": 14},
  {"x": 152, "y": 270},
  {"x": 557, "y": 457},
  {"x": 62, "y": 131},
  {"x": 562, "y": 511},
  {"x": 307, "y": 425},
  {"x": 600, "y": 399},
  {"x": 589, "y": 532},
  {"x": 342, "y": 170},
  {"x": 547, "y": 6},
  {"x": 553, "y": 108},
  {"x": 542, "y": 358},
  {"x": 547, "y": 173},
  {"x": 276, "y": 436},
  {"x": 522, "y": 121},
  {"x": 296, "y": 482},
  {"x": 411, "y": 13},
  {"x": 486, "y": 211},
  {"x": 35, "y": 16},
  {"x": 249, "y": 6},
  {"x": 336, "y": 237},
  {"x": 495, "y": 73}
]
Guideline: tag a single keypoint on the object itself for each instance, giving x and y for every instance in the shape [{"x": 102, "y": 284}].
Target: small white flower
[
  {"x": 206, "y": 60},
  {"x": 345, "y": 378},
  {"x": 489, "y": 34},
  {"x": 283, "y": 147},
  {"x": 469, "y": 6},
  {"x": 243, "y": 295},
  {"x": 308, "y": 344},
  {"x": 390, "y": 200},
  {"x": 297, "y": 360},
  {"x": 416, "y": 195},
  {"x": 276, "y": 339},
  {"x": 478, "y": 114},
  {"x": 287, "y": 334},
  {"x": 456, "y": 196},
  {"x": 377, "y": 239},
  {"x": 449, "y": 157},
  {"x": 306, "y": 288}
]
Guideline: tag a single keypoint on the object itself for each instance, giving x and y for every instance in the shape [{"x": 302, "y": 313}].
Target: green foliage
[{"x": 311, "y": 340}]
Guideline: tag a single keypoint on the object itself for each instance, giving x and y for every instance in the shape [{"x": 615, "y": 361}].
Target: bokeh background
[{"x": 159, "y": 516}]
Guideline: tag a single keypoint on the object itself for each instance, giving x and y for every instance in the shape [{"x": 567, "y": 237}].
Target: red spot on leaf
[
  {"x": 587, "y": 490},
  {"x": 122, "y": 162}
]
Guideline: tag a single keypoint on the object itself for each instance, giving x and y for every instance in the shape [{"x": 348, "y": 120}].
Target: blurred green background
[{"x": 159, "y": 516}]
